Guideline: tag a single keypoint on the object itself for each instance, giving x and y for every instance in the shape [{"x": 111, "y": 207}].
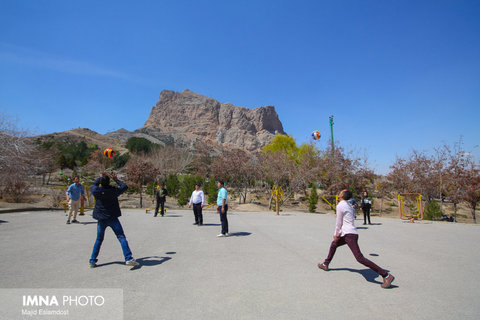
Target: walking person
[
  {"x": 107, "y": 211},
  {"x": 366, "y": 206},
  {"x": 161, "y": 195},
  {"x": 197, "y": 199},
  {"x": 75, "y": 193},
  {"x": 222, "y": 208},
  {"x": 346, "y": 233}
]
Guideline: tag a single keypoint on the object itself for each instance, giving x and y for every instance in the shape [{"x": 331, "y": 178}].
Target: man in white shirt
[
  {"x": 198, "y": 201},
  {"x": 346, "y": 233}
]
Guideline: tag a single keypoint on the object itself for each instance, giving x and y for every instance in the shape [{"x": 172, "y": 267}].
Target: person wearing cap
[
  {"x": 197, "y": 199},
  {"x": 346, "y": 233}
]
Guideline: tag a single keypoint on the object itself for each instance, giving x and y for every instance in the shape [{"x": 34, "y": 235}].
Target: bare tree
[
  {"x": 140, "y": 171},
  {"x": 471, "y": 183},
  {"x": 278, "y": 167},
  {"x": 419, "y": 173},
  {"x": 171, "y": 160},
  {"x": 16, "y": 163},
  {"x": 239, "y": 167}
]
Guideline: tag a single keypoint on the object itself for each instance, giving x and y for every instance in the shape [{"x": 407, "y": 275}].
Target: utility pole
[{"x": 331, "y": 134}]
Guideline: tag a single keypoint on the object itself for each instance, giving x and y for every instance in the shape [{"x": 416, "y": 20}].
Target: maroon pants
[{"x": 352, "y": 241}]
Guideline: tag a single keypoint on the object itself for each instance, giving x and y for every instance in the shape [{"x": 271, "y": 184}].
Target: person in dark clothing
[
  {"x": 161, "y": 195},
  {"x": 107, "y": 211},
  {"x": 366, "y": 206}
]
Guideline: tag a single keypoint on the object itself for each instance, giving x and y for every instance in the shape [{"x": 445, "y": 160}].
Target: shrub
[
  {"x": 433, "y": 211},
  {"x": 139, "y": 145},
  {"x": 211, "y": 190},
  {"x": 186, "y": 187},
  {"x": 173, "y": 185},
  {"x": 313, "y": 199},
  {"x": 16, "y": 190}
]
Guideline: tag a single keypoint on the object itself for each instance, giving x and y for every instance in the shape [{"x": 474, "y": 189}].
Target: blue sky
[{"x": 396, "y": 75}]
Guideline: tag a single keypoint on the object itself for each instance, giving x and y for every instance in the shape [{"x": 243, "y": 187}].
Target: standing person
[
  {"x": 161, "y": 195},
  {"x": 107, "y": 211},
  {"x": 366, "y": 206},
  {"x": 222, "y": 208},
  {"x": 198, "y": 201},
  {"x": 75, "y": 193},
  {"x": 346, "y": 233}
]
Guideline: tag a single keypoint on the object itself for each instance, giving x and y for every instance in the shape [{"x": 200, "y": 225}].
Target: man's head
[
  {"x": 105, "y": 181},
  {"x": 76, "y": 179},
  {"x": 220, "y": 184},
  {"x": 197, "y": 186},
  {"x": 345, "y": 194}
]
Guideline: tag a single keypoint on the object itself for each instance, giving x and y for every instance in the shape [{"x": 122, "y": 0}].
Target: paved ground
[{"x": 265, "y": 270}]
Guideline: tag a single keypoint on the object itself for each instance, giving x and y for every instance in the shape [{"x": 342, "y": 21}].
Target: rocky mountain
[{"x": 188, "y": 118}]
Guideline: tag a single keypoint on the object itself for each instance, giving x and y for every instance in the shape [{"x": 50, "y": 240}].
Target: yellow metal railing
[{"x": 401, "y": 207}]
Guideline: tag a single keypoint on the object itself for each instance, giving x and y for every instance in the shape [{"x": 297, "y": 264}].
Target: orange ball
[{"x": 109, "y": 153}]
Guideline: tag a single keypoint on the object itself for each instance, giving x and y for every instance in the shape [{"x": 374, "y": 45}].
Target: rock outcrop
[{"x": 188, "y": 118}]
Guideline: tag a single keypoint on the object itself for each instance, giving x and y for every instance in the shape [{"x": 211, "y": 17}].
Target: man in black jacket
[
  {"x": 161, "y": 195},
  {"x": 107, "y": 211}
]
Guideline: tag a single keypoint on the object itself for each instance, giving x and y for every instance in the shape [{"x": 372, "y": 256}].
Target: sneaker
[
  {"x": 81, "y": 214},
  {"x": 387, "y": 281},
  {"x": 93, "y": 265},
  {"x": 221, "y": 235},
  {"x": 195, "y": 224},
  {"x": 132, "y": 263},
  {"x": 322, "y": 266},
  {"x": 75, "y": 221},
  {"x": 227, "y": 234},
  {"x": 68, "y": 221}
]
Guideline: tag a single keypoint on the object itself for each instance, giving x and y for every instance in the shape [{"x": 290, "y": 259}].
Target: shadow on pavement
[
  {"x": 3, "y": 221},
  {"x": 150, "y": 261},
  {"x": 240, "y": 234},
  {"x": 362, "y": 228},
  {"x": 145, "y": 261},
  {"x": 85, "y": 223},
  {"x": 368, "y": 274},
  {"x": 211, "y": 224}
]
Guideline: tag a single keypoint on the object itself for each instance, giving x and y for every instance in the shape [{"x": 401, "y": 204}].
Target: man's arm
[
  {"x": 338, "y": 223},
  {"x": 191, "y": 200},
  {"x": 122, "y": 187},
  {"x": 69, "y": 190}
]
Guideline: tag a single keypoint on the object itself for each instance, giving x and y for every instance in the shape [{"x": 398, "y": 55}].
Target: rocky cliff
[{"x": 188, "y": 118}]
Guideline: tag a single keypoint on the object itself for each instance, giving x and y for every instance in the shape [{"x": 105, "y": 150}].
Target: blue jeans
[{"x": 113, "y": 223}]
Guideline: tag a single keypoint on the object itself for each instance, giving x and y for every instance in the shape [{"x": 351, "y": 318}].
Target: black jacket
[
  {"x": 106, "y": 200},
  {"x": 161, "y": 192}
]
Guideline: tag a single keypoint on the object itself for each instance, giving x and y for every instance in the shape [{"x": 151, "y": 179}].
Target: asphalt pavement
[{"x": 265, "y": 269}]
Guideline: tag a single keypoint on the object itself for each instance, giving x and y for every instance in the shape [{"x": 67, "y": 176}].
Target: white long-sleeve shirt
[
  {"x": 345, "y": 219},
  {"x": 197, "y": 197}
]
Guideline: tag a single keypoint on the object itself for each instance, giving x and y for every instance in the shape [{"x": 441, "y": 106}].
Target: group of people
[{"x": 107, "y": 211}]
